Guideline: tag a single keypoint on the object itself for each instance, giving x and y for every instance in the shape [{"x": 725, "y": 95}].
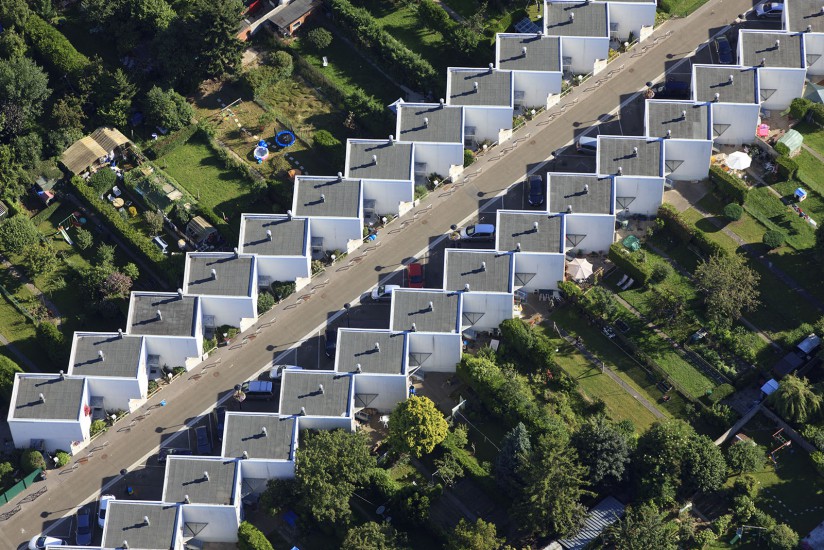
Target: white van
[{"x": 586, "y": 145}]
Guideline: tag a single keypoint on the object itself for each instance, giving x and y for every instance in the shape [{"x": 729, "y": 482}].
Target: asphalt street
[{"x": 132, "y": 442}]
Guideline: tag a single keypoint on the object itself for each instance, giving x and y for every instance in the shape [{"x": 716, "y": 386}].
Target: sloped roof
[{"x": 85, "y": 151}]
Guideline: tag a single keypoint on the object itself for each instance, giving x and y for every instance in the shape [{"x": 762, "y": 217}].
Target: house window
[{"x": 295, "y": 25}]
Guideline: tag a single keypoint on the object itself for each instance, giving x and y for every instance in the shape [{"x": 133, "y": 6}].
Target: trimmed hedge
[
  {"x": 787, "y": 168},
  {"x": 675, "y": 223},
  {"x": 816, "y": 112},
  {"x": 733, "y": 211},
  {"x": 707, "y": 246},
  {"x": 250, "y": 537},
  {"x": 45, "y": 213},
  {"x": 171, "y": 142},
  {"x": 53, "y": 48},
  {"x": 628, "y": 262},
  {"x": 728, "y": 185},
  {"x": 773, "y": 239},
  {"x": 799, "y": 107}
]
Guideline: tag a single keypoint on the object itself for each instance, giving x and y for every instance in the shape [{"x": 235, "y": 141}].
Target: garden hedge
[
  {"x": 709, "y": 247},
  {"x": 787, "y": 168},
  {"x": 629, "y": 263},
  {"x": 675, "y": 223},
  {"x": 53, "y": 48},
  {"x": 728, "y": 185},
  {"x": 31, "y": 460},
  {"x": 733, "y": 211},
  {"x": 169, "y": 143},
  {"x": 816, "y": 112},
  {"x": 799, "y": 107}
]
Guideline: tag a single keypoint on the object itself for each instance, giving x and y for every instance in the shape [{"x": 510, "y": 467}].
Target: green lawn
[
  {"x": 813, "y": 136},
  {"x": 680, "y": 8},
  {"x": 769, "y": 210},
  {"x": 203, "y": 175}
]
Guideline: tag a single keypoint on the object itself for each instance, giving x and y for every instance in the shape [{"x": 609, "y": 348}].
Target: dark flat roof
[
  {"x": 125, "y": 521},
  {"x": 233, "y": 274},
  {"x": 494, "y": 87},
  {"x": 543, "y": 53},
  {"x": 184, "y": 476},
  {"x": 121, "y": 355},
  {"x": 518, "y": 227},
  {"x": 616, "y": 152},
  {"x": 177, "y": 315},
  {"x": 394, "y": 160},
  {"x": 762, "y": 45},
  {"x": 431, "y": 123},
  {"x": 715, "y": 79},
  {"x": 587, "y": 194},
  {"x": 288, "y": 235},
  {"x": 487, "y": 271},
  {"x": 684, "y": 120},
  {"x": 803, "y": 13},
  {"x": 293, "y": 11},
  {"x": 590, "y": 19},
  {"x": 244, "y": 432},
  {"x": 341, "y": 198},
  {"x": 357, "y": 347},
  {"x": 302, "y": 389},
  {"x": 410, "y": 306},
  {"x": 62, "y": 397}
]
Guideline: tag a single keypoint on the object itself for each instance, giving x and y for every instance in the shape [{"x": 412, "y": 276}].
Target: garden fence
[{"x": 19, "y": 487}]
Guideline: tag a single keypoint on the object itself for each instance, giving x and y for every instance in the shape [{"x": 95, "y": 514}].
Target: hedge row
[
  {"x": 139, "y": 242},
  {"x": 728, "y": 185},
  {"x": 53, "y": 48},
  {"x": 629, "y": 263},
  {"x": 709, "y": 247},
  {"x": 675, "y": 223},
  {"x": 367, "y": 32},
  {"x": 786, "y": 166},
  {"x": 45, "y": 213},
  {"x": 169, "y": 143}
]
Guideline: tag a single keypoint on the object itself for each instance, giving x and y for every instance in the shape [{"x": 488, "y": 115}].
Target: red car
[{"x": 414, "y": 273}]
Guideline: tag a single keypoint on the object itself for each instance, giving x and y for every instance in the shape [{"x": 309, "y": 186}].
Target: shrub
[
  {"x": 8, "y": 369},
  {"x": 799, "y": 107},
  {"x": 102, "y": 180},
  {"x": 62, "y": 458},
  {"x": 782, "y": 149},
  {"x": 249, "y": 537},
  {"x": 816, "y": 110},
  {"x": 733, "y": 211},
  {"x": 53, "y": 48},
  {"x": 171, "y": 142},
  {"x": 707, "y": 245},
  {"x": 17, "y": 234},
  {"x": 721, "y": 392},
  {"x": 675, "y": 223},
  {"x": 818, "y": 460},
  {"x": 282, "y": 289},
  {"x": 660, "y": 272},
  {"x": 786, "y": 167},
  {"x": 31, "y": 460},
  {"x": 327, "y": 143},
  {"x": 630, "y": 263},
  {"x": 265, "y": 302},
  {"x": 570, "y": 289},
  {"x": 469, "y": 157},
  {"x": 98, "y": 426},
  {"x": 728, "y": 185},
  {"x": 773, "y": 238},
  {"x": 83, "y": 239},
  {"x": 51, "y": 339},
  {"x": 319, "y": 38}
]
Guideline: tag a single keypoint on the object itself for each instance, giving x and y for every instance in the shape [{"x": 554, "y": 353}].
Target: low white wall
[
  {"x": 487, "y": 121},
  {"x": 388, "y": 195},
  {"x": 548, "y": 269},
  {"x": 584, "y": 51},
  {"x": 337, "y": 233},
  {"x": 174, "y": 350},
  {"x": 116, "y": 392},
  {"x": 230, "y": 310},
  {"x": 446, "y": 350},
  {"x": 694, "y": 153},
  {"x": 631, "y": 18},
  {"x": 598, "y": 228},
  {"x": 326, "y": 423},
  {"x": 538, "y": 87},
  {"x": 439, "y": 157},
  {"x": 284, "y": 268}
]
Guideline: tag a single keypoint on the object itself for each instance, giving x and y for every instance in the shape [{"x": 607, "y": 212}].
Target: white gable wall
[
  {"x": 389, "y": 196},
  {"x": 390, "y": 389},
  {"x": 632, "y": 18},
  {"x": 648, "y": 193},
  {"x": 787, "y": 83},
  {"x": 445, "y": 350},
  {"x": 694, "y": 153},
  {"x": 338, "y": 233},
  {"x": 539, "y": 87},
  {"x": 742, "y": 119},
  {"x": 548, "y": 269},
  {"x": 598, "y": 228},
  {"x": 487, "y": 121},
  {"x": 222, "y": 522},
  {"x": 442, "y": 158},
  {"x": 584, "y": 51},
  {"x": 814, "y": 51},
  {"x": 496, "y": 307}
]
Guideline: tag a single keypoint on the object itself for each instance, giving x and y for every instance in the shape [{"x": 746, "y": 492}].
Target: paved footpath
[{"x": 197, "y": 391}]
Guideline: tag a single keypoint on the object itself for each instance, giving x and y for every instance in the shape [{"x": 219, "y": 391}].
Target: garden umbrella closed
[{"x": 738, "y": 161}]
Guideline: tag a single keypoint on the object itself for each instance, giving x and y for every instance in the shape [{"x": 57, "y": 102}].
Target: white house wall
[
  {"x": 814, "y": 51},
  {"x": 327, "y": 423},
  {"x": 222, "y": 522},
  {"x": 495, "y": 307},
  {"x": 742, "y": 119},
  {"x": 537, "y": 86},
  {"x": 445, "y": 350},
  {"x": 55, "y": 434},
  {"x": 267, "y": 469},
  {"x": 338, "y": 233},
  {"x": 236, "y": 311},
  {"x": 439, "y": 157},
  {"x": 631, "y": 18},
  {"x": 584, "y": 51},
  {"x": 548, "y": 269},
  {"x": 487, "y": 121},
  {"x": 598, "y": 228},
  {"x": 787, "y": 83},
  {"x": 390, "y": 389},
  {"x": 648, "y": 193},
  {"x": 175, "y": 351},
  {"x": 389, "y": 196},
  {"x": 285, "y": 268},
  {"x": 117, "y": 393},
  {"x": 695, "y": 154}
]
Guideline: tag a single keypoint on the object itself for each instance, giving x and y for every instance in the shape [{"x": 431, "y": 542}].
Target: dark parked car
[
  {"x": 166, "y": 451},
  {"x": 204, "y": 446},
  {"x": 258, "y": 389},
  {"x": 535, "y": 185},
  {"x": 414, "y": 272},
  {"x": 724, "y": 50},
  {"x": 219, "y": 418},
  {"x": 83, "y": 527},
  {"x": 331, "y": 342}
]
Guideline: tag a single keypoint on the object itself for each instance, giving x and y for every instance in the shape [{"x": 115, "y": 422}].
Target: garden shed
[
  {"x": 792, "y": 140},
  {"x": 199, "y": 230},
  {"x": 94, "y": 149}
]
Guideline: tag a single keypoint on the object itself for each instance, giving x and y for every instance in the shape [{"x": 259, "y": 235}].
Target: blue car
[
  {"x": 724, "y": 51},
  {"x": 83, "y": 527},
  {"x": 204, "y": 446},
  {"x": 536, "y": 190}
]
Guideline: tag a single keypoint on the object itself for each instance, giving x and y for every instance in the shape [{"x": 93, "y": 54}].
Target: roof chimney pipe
[
  {"x": 523, "y": 51},
  {"x": 491, "y": 67},
  {"x": 62, "y": 376},
  {"x": 414, "y": 327},
  {"x": 42, "y": 398},
  {"x": 146, "y": 521},
  {"x": 340, "y": 176},
  {"x": 569, "y": 209},
  {"x": 206, "y": 475},
  {"x": 635, "y": 151},
  {"x": 358, "y": 368},
  {"x": 426, "y": 121},
  {"x": 186, "y": 499},
  {"x": 669, "y": 133},
  {"x": 809, "y": 28},
  {"x": 571, "y": 16},
  {"x": 483, "y": 266},
  {"x": 535, "y": 226},
  {"x": 264, "y": 432},
  {"x": 159, "y": 315},
  {"x": 466, "y": 287},
  {"x": 475, "y": 85},
  {"x": 518, "y": 247},
  {"x": 303, "y": 411},
  {"x": 269, "y": 234},
  {"x": 777, "y": 44},
  {"x": 120, "y": 333},
  {"x": 126, "y": 545},
  {"x": 99, "y": 354},
  {"x": 684, "y": 114},
  {"x": 763, "y": 61},
  {"x": 214, "y": 274},
  {"x": 441, "y": 102},
  {"x": 375, "y": 160},
  {"x": 322, "y": 197},
  {"x": 320, "y": 388},
  {"x": 391, "y": 139},
  {"x": 237, "y": 253},
  {"x": 377, "y": 346},
  {"x": 717, "y": 96},
  {"x": 731, "y": 79},
  {"x": 431, "y": 306},
  {"x": 586, "y": 188},
  {"x": 245, "y": 454},
  {"x": 289, "y": 212},
  {"x": 180, "y": 293}
]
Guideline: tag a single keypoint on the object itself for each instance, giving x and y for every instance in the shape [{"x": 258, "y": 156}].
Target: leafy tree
[
  {"x": 14, "y": 13},
  {"x": 17, "y": 234},
  {"x": 480, "y": 535},
  {"x": 733, "y": 211},
  {"x": 104, "y": 255},
  {"x": 281, "y": 61},
  {"x": 730, "y": 287},
  {"x": 448, "y": 469},
  {"x": 83, "y": 239},
  {"x": 374, "y": 536},
  {"x": 114, "y": 98},
  {"x": 154, "y": 220},
  {"x": 11, "y": 176},
  {"x": 416, "y": 426},
  {"x": 746, "y": 485},
  {"x": 773, "y": 238},
  {"x": 704, "y": 466},
  {"x": 60, "y": 140},
  {"x": 603, "y": 448},
  {"x": 52, "y": 340},
  {"x": 265, "y": 302},
  {"x": 40, "y": 259},
  {"x": 602, "y": 303},
  {"x": 319, "y": 38},
  {"x": 6, "y": 469},
  {"x": 660, "y": 272},
  {"x": 28, "y": 148},
  {"x": 668, "y": 305},
  {"x": 555, "y": 482},
  {"x": 31, "y": 460},
  {"x": 513, "y": 457},
  {"x": 795, "y": 399},
  {"x": 116, "y": 285},
  {"x": 14, "y": 121},
  {"x": 414, "y": 506},
  {"x": 746, "y": 456},
  {"x": 167, "y": 109},
  {"x": 12, "y": 44},
  {"x": 279, "y": 495},
  {"x": 643, "y": 527},
  {"x": 102, "y": 181},
  {"x": 782, "y": 537},
  {"x": 8, "y": 369},
  {"x": 249, "y": 537},
  {"x": 130, "y": 270},
  {"x": 25, "y": 84},
  {"x": 330, "y": 466}
]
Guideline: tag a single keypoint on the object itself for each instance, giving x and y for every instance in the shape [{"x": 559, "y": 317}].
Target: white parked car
[
  {"x": 40, "y": 542},
  {"x": 101, "y": 509},
  {"x": 276, "y": 372}
]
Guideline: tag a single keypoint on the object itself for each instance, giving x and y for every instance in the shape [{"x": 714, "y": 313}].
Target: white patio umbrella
[
  {"x": 738, "y": 160},
  {"x": 580, "y": 269}
]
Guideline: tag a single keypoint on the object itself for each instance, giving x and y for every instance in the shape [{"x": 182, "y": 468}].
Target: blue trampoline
[{"x": 285, "y": 138}]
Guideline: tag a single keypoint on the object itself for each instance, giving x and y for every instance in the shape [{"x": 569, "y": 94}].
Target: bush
[
  {"x": 31, "y": 460},
  {"x": 660, "y": 272},
  {"x": 799, "y": 107},
  {"x": 787, "y": 168},
  {"x": 63, "y": 458},
  {"x": 469, "y": 157},
  {"x": 8, "y": 369},
  {"x": 733, "y": 211},
  {"x": 167, "y": 109},
  {"x": 265, "y": 302},
  {"x": 773, "y": 239},
  {"x": 630, "y": 263},
  {"x": 675, "y": 223},
  {"x": 249, "y": 537},
  {"x": 816, "y": 110},
  {"x": 818, "y": 460},
  {"x": 102, "y": 181},
  {"x": 51, "y": 339},
  {"x": 283, "y": 289},
  {"x": 781, "y": 149},
  {"x": 328, "y": 144},
  {"x": 83, "y": 239},
  {"x": 53, "y": 48},
  {"x": 728, "y": 185},
  {"x": 97, "y": 427},
  {"x": 721, "y": 392},
  {"x": 707, "y": 245},
  {"x": 319, "y": 38},
  {"x": 17, "y": 234}
]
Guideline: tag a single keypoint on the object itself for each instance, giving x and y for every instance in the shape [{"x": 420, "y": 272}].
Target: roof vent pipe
[
  {"x": 669, "y": 133},
  {"x": 535, "y": 226},
  {"x": 269, "y": 234},
  {"x": 340, "y": 176},
  {"x": 571, "y": 16},
  {"x": 620, "y": 170},
  {"x": 391, "y": 139},
  {"x": 159, "y": 315},
  {"x": 684, "y": 114},
  {"x": 245, "y": 454},
  {"x": 358, "y": 368},
  {"x": 264, "y": 431},
  {"x": 146, "y": 520},
  {"x": 322, "y": 197},
  {"x": 475, "y": 85},
  {"x": 214, "y": 274},
  {"x": 483, "y": 266},
  {"x": 120, "y": 333},
  {"x": 206, "y": 475},
  {"x": 289, "y": 212},
  {"x": 377, "y": 346},
  {"x": 63, "y": 376},
  {"x": 99, "y": 354},
  {"x": 466, "y": 287},
  {"x": 185, "y": 499},
  {"x": 731, "y": 79},
  {"x": 42, "y": 398},
  {"x": 586, "y": 188},
  {"x": 717, "y": 96},
  {"x": 414, "y": 327},
  {"x": 777, "y": 44},
  {"x": 523, "y": 51},
  {"x": 426, "y": 121},
  {"x": 441, "y": 102},
  {"x": 235, "y": 250},
  {"x": 303, "y": 411},
  {"x": 763, "y": 61},
  {"x": 518, "y": 247},
  {"x": 375, "y": 160},
  {"x": 491, "y": 67},
  {"x": 635, "y": 151},
  {"x": 180, "y": 293},
  {"x": 320, "y": 388},
  {"x": 431, "y": 306},
  {"x": 569, "y": 209}
]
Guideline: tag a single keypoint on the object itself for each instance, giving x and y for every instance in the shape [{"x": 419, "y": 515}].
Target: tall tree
[
  {"x": 642, "y": 528},
  {"x": 416, "y": 426},
  {"x": 374, "y": 536},
  {"x": 746, "y": 456},
  {"x": 602, "y": 302},
  {"x": 512, "y": 459},
  {"x": 730, "y": 287},
  {"x": 115, "y": 98},
  {"x": 795, "y": 399},
  {"x": 603, "y": 448},
  {"x": 555, "y": 482},
  {"x": 704, "y": 465},
  {"x": 17, "y": 234},
  {"x": 329, "y": 467},
  {"x": 250, "y": 537},
  {"x": 8, "y": 369},
  {"x": 24, "y": 84},
  {"x": 14, "y": 13},
  {"x": 217, "y": 23},
  {"x": 480, "y": 535}
]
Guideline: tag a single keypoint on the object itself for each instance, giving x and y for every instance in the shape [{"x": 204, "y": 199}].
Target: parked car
[
  {"x": 383, "y": 293},
  {"x": 331, "y": 342},
  {"x": 276, "y": 372},
  {"x": 83, "y": 526},
  {"x": 40, "y": 542},
  {"x": 587, "y": 145},
  {"x": 724, "y": 50},
  {"x": 258, "y": 389},
  {"x": 535, "y": 185},
  {"x": 414, "y": 275},
  {"x": 770, "y": 10},
  {"x": 204, "y": 446},
  {"x": 672, "y": 89},
  {"x": 478, "y": 232},
  {"x": 101, "y": 509},
  {"x": 167, "y": 451},
  {"x": 219, "y": 418}
]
